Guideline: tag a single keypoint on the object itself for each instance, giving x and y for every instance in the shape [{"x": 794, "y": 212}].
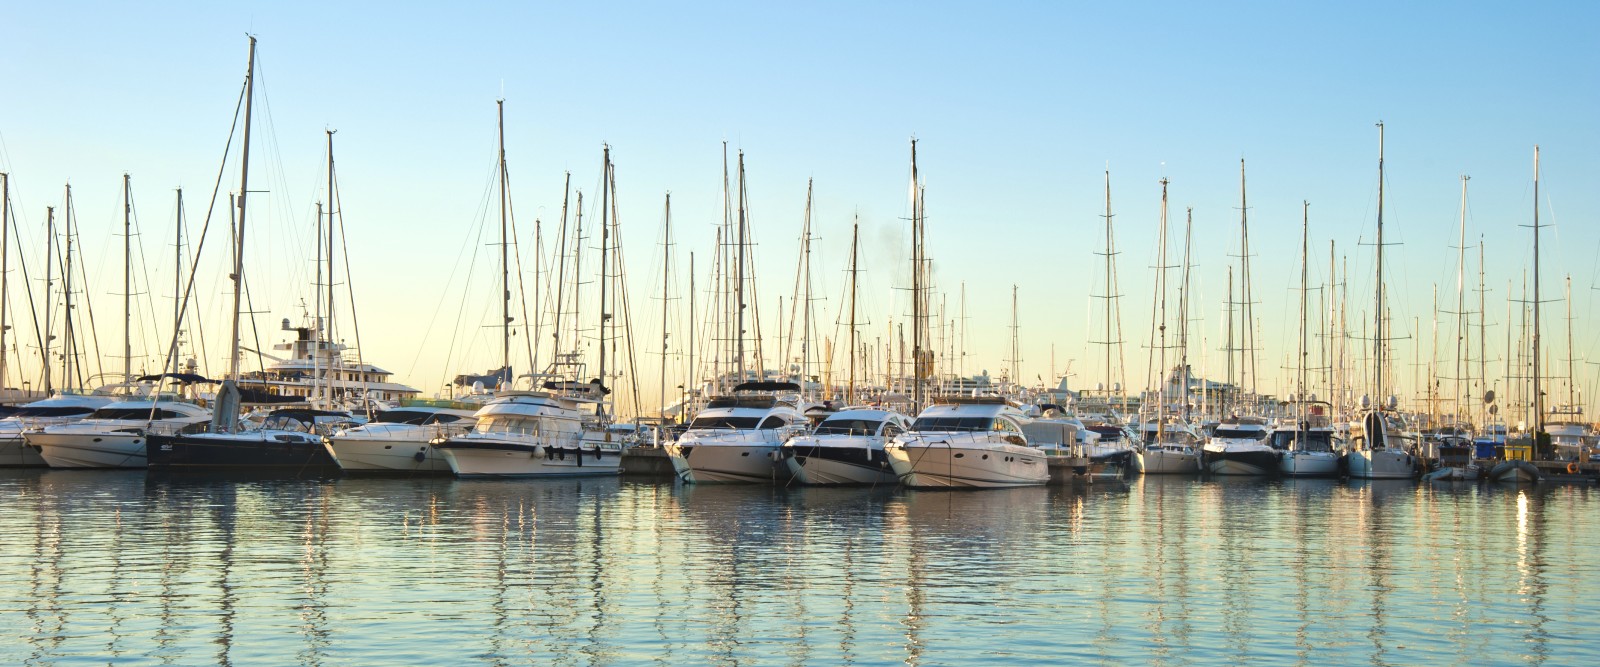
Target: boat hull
[
  {"x": 742, "y": 463},
  {"x": 942, "y": 466},
  {"x": 372, "y": 455},
  {"x": 1309, "y": 464},
  {"x": 90, "y": 450},
  {"x": 1170, "y": 462},
  {"x": 1514, "y": 472},
  {"x": 1381, "y": 464},
  {"x": 836, "y": 466},
  {"x": 299, "y": 453},
  {"x": 14, "y": 453},
  {"x": 1247, "y": 463},
  {"x": 504, "y": 459}
]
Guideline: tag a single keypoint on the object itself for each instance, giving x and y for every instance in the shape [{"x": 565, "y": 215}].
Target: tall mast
[
  {"x": 316, "y": 321},
  {"x": 244, "y": 192},
  {"x": 1183, "y": 310},
  {"x": 1161, "y": 318},
  {"x": 916, "y": 279},
  {"x": 666, "y": 264},
  {"x": 1110, "y": 293},
  {"x": 692, "y": 342},
  {"x": 127, "y": 280},
  {"x": 333, "y": 202},
  {"x": 1247, "y": 358},
  {"x": 1572, "y": 397},
  {"x": 1016, "y": 352},
  {"x": 805, "y": 307},
  {"x": 1483, "y": 346},
  {"x": 1229, "y": 345},
  {"x": 738, "y": 278},
  {"x": 70, "y": 347},
  {"x": 855, "y": 239},
  {"x": 505, "y": 246},
  {"x": 605, "y": 243},
  {"x": 1538, "y": 395},
  {"x": 177, "y": 283},
  {"x": 1300, "y": 369},
  {"x": 49, "y": 262},
  {"x": 1461, "y": 300},
  {"x": 5, "y": 265},
  {"x": 1378, "y": 341}
]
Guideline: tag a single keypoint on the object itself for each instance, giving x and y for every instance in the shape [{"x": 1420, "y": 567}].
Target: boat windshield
[
  {"x": 505, "y": 424},
  {"x": 415, "y": 417},
  {"x": 1310, "y": 441},
  {"x": 952, "y": 424},
  {"x": 848, "y": 427},
  {"x": 724, "y": 422},
  {"x": 131, "y": 414},
  {"x": 1238, "y": 433},
  {"x": 51, "y": 411}
]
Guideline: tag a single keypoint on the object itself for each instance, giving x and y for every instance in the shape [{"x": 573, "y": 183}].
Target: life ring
[{"x": 1572, "y": 468}]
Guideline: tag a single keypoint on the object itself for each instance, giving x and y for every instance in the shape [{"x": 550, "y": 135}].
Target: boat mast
[
  {"x": 325, "y": 328},
  {"x": 49, "y": 262},
  {"x": 69, "y": 349},
  {"x": 1538, "y": 396},
  {"x": 916, "y": 282},
  {"x": 1572, "y": 397},
  {"x": 177, "y": 283},
  {"x": 855, "y": 240},
  {"x": 244, "y": 191},
  {"x": 690, "y": 386},
  {"x": 605, "y": 242},
  {"x": 738, "y": 278},
  {"x": 1378, "y": 340},
  {"x": 127, "y": 280},
  {"x": 1183, "y": 311},
  {"x": 5, "y": 265},
  {"x": 505, "y": 246},
  {"x": 1483, "y": 346},
  {"x": 1225, "y": 407},
  {"x": 1247, "y": 353},
  {"x": 666, "y": 264},
  {"x": 1161, "y": 319},
  {"x": 1016, "y": 352},
  {"x": 1461, "y": 301},
  {"x": 1300, "y": 369}
]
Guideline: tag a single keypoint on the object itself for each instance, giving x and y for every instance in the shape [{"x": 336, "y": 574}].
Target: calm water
[{"x": 113, "y": 567}]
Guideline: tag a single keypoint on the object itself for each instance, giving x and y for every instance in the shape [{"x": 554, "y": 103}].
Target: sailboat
[
  {"x": 1380, "y": 447},
  {"x": 1168, "y": 440},
  {"x": 1239, "y": 444},
  {"x": 560, "y": 429},
  {"x": 1516, "y": 469},
  {"x": 114, "y": 436},
  {"x": 70, "y": 404},
  {"x": 286, "y": 439},
  {"x": 1309, "y": 446}
]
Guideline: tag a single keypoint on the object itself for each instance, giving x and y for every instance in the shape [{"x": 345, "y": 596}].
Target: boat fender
[
  {"x": 420, "y": 457},
  {"x": 1572, "y": 468},
  {"x": 537, "y": 453}
]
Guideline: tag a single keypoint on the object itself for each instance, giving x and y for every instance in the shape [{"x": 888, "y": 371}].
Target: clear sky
[{"x": 1018, "y": 108}]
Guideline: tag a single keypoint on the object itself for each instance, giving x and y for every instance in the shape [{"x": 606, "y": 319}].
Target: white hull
[
  {"x": 1381, "y": 464},
  {"x": 386, "y": 455},
  {"x": 16, "y": 454},
  {"x": 728, "y": 463},
  {"x": 943, "y": 466},
  {"x": 525, "y": 462},
  {"x": 1309, "y": 464},
  {"x": 90, "y": 450},
  {"x": 817, "y": 471},
  {"x": 1169, "y": 462}
]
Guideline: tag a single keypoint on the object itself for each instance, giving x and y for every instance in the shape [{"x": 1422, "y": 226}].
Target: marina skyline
[{"x": 1015, "y": 128}]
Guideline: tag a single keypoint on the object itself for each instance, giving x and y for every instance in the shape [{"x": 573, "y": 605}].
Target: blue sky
[{"x": 1019, "y": 109}]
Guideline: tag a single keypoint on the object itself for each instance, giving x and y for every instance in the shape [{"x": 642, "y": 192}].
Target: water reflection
[{"x": 122, "y": 567}]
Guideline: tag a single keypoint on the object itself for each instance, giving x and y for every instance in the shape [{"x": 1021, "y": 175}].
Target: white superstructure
[
  {"x": 846, "y": 448},
  {"x": 400, "y": 440},
  {"x": 735, "y": 439},
  {"x": 974, "y": 443},
  {"x": 536, "y": 434}
]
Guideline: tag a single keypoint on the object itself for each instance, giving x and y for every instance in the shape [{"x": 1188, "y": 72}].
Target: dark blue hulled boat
[{"x": 289, "y": 440}]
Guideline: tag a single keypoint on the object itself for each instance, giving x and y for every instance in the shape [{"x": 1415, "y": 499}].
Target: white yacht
[
  {"x": 1378, "y": 449},
  {"x": 61, "y": 408},
  {"x": 735, "y": 439},
  {"x": 1238, "y": 446},
  {"x": 1309, "y": 448},
  {"x": 846, "y": 448},
  {"x": 1173, "y": 449},
  {"x": 968, "y": 443},
  {"x": 317, "y": 370},
  {"x": 537, "y": 434},
  {"x": 1570, "y": 437},
  {"x": 400, "y": 440},
  {"x": 115, "y": 435}
]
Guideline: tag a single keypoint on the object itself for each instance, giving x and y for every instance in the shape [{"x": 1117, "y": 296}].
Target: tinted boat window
[
  {"x": 951, "y": 424},
  {"x": 1237, "y": 433},
  {"x": 52, "y": 411},
  {"x": 848, "y": 427},
  {"x": 723, "y": 422},
  {"x": 131, "y": 414}
]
